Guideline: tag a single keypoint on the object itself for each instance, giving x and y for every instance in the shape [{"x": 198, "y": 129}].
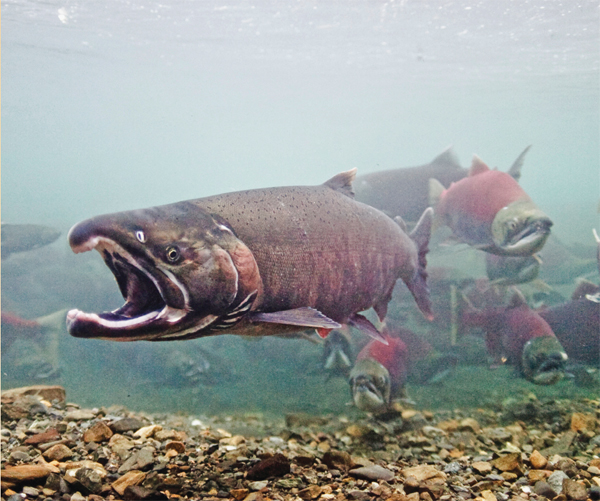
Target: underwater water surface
[{"x": 118, "y": 105}]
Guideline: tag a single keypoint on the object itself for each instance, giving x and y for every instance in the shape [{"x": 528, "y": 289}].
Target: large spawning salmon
[{"x": 258, "y": 262}]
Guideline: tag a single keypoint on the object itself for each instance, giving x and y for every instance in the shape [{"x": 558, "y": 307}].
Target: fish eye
[
  {"x": 140, "y": 235},
  {"x": 173, "y": 254}
]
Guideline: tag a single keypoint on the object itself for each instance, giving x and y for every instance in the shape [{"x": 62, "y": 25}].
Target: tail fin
[{"x": 418, "y": 285}]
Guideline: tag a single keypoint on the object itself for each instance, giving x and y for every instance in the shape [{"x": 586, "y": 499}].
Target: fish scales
[
  {"x": 311, "y": 244},
  {"x": 258, "y": 262}
]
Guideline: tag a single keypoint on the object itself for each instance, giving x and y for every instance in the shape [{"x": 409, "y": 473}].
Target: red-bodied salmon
[
  {"x": 520, "y": 336},
  {"x": 404, "y": 192},
  {"x": 490, "y": 211},
  {"x": 379, "y": 374},
  {"x": 259, "y": 262},
  {"x": 576, "y": 323}
]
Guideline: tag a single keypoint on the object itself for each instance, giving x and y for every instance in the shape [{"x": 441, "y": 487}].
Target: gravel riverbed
[{"x": 54, "y": 450}]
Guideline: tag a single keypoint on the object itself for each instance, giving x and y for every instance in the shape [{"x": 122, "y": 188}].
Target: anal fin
[{"x": 302, "y": 317}]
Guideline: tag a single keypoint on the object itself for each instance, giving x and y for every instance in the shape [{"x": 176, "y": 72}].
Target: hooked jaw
[
  {"x": 543, "y": 360},
  {"x": 519, "y": 236},
  {"x": 145, "y": 313},
  {"x": 370, "y": 384}
]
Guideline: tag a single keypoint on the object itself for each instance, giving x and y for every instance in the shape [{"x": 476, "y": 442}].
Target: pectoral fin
[
  {"x": 363, "y": 324},
  {"x": 302, "y": 317}
]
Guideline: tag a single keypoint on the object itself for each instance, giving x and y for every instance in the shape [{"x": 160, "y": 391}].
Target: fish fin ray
[
  {"x": 302, "y": 317},
  {"x": 478, "y": 166},
  {"x": 435, "y": 191},
  {"x": 363, "y": 324},
  {"x": 342, "y": 182},
  {"x": 515, "y": 168},
  {"x": 418, "y": 284},
  {"x": 448, "y": 157},
  {"x": 517, "y": 299},
  {"x": 400, "y": 222}
]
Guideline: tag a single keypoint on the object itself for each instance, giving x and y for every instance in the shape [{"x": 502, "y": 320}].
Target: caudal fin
[{"x": 418, "y": 285}]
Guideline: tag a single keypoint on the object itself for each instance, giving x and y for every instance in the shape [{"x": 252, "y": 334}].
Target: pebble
[
  {"x": 538, "y": 461},
  {"x": 508, "y": 462},
  {"x": 441, "y": 456},
  {"x": 423, "y": 472},
  {"x": 274, "y": 466},
  {"x": 99, "y": 432},
  {"x": 51, "y": 434},
  {"x": 542, "y": 488},
  {"x": 58, "y": 452},
  {"x": 257, "y": 486},
  {"x": 30, "y": 491},
  {"x": 138, "y": 460},
  {"x": 126, "y": 424},
  {"x": 133, "y": 477},
  {"x": 147, "y": 431},
  {"x": 79, "y": 415},
  {"x": 574, "y": 490},
  {"x": 556, "y": 480},
  {"x": 372, "y": 472},
  {"x": 482, "y": 467}
]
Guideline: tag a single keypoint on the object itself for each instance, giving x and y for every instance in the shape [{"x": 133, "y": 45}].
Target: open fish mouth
[
  {"x": 145, "y": 313},
  {"x": 550, "y": 372},
  {"x": 529, "y": 239},
  {"x": 366, "y": 395},
  {"x": 544, "y": 360}
]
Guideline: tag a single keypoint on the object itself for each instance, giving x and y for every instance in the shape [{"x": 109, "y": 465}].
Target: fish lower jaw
[
  {"x": 368, "y": 401},
  {"x": 79, "y": 322}
]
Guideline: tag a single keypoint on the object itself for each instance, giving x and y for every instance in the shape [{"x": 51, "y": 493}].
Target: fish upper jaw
[
  {"x": 146, "y": 313},
  {"x": 370, "y": 385},
  {"x": 543, "y": 360},
  {"x": 520, "y": 229}
]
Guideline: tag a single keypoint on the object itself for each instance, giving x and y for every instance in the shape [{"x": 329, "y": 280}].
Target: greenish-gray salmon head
[
  {"x": 543, "y": 360},
  {"x": 370, "y": 384},
  {"x": 520, "y": 229},
  {"x": 181, "y": 271}
]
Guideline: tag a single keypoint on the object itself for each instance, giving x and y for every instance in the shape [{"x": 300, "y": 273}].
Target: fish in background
[
  {"x": 404, "y": 192},
  {"x": 379, "y": 374},
  {"x": 561, "y": 264},
  {"x": 576, "y": 323},
  {"x": 31, "y": 346},
  {"x": 490, "y": 211},
  {"x": 508, "y": 270},
  {"x": 520, "y": 336},
  {"x": 260, "y": 262},
  {"x": 337, "y": 353},
  {"x": 16, "y": 327},
  {"x": 25, "y": 237}
]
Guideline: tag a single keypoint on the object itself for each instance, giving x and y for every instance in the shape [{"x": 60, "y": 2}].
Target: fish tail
[{"x": 418, "y": 285}]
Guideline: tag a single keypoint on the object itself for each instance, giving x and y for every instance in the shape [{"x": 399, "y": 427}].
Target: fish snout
[
  {"x": 544, "y": 360},
  {"x": 81, "y": 236}
]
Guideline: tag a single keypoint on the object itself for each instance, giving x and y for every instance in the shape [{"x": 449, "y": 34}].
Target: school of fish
[{"x": 287, "y": 261}]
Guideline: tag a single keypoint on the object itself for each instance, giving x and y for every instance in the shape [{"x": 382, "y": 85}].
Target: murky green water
[{"x": 109, "y": 106}]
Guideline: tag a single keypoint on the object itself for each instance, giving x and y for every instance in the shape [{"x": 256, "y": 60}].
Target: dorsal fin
[
  {"x": 400, "y": 222},
  {"x": 342, "y": 182},
  {"x": 435, "y": 191},
  {"x": 478, "y": 166},
  {"x": 447, "y": 157},
  {"x": 515, "y": 168},
  {"x": 517, "y": 299}
]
